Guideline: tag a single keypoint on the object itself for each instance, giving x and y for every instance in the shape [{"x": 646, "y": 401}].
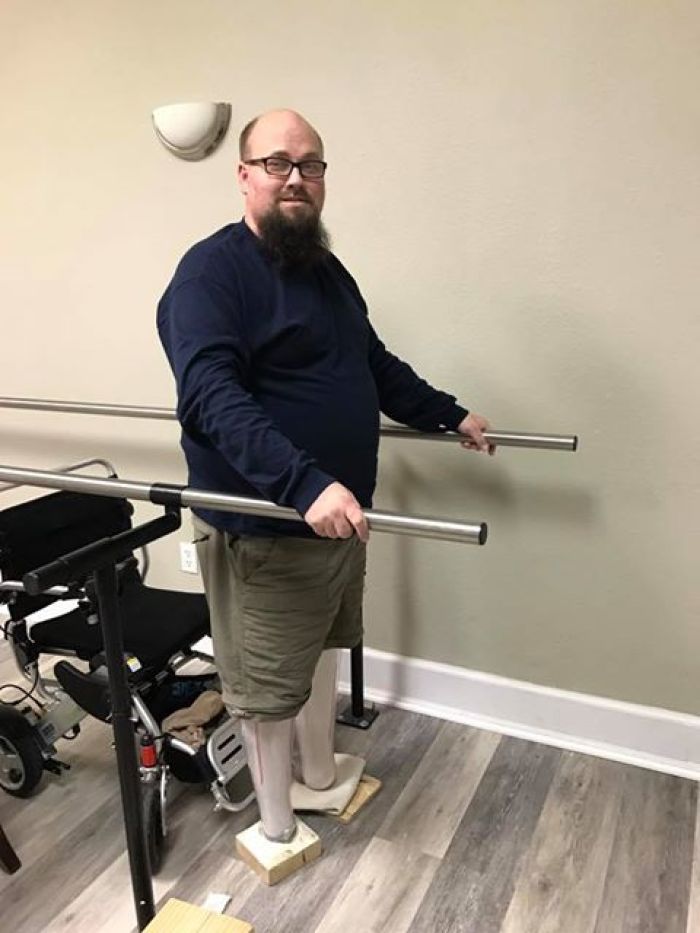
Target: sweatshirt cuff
[
  {"x": 309, "y": 489},
  {"x": 454, "y": 417}
]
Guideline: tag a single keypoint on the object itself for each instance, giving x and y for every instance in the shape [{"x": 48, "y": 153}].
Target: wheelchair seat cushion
[{"x": 156, "y": 625}]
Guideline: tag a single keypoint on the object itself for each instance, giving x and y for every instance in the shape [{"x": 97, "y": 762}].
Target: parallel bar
[
  {"x": 392, "y": 522},
  {"x": 498, "y": 438},
  {"x": 88, "y": 408},
  {"x": 71, "y": 468}
]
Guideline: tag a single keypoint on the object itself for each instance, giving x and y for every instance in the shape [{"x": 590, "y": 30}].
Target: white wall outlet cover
[{"x": 188, "y": 557}]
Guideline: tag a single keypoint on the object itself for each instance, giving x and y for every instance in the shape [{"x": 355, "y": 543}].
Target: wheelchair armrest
[{"x": 10, "y": 588}]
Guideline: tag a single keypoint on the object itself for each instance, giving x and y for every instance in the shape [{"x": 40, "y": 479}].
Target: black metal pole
[
  {"x": 8, "y": 857},
  {"x": 127, "y": 763},
  {"x": 357, "y": 680},
  {"x": 357, "y": 714}
]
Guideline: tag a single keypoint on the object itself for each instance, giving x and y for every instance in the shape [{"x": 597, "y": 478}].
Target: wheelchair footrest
[
  {"x": 89, "y": 691},
  {"x": 225, "y": 749}
]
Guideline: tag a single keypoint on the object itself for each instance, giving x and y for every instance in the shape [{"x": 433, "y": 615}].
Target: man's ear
[{"x": 242, "y": 178}]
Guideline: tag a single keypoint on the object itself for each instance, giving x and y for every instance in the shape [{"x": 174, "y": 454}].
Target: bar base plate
[{"x": 348, "y": 718}]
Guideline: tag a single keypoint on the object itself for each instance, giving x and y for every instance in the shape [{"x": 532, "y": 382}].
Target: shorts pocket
[{"x": 253, "y": 555}]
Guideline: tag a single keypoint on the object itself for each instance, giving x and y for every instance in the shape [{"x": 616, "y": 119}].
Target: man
[{"x": 281, "y": 379}]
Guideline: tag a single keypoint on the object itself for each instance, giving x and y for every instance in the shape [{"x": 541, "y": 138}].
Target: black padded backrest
[{"x": 36, "y": 532}]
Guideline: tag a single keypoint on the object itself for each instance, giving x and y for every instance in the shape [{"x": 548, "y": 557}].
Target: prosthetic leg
[
  {"x": 281, "y": 843},
  {"x": 269, "y": 750},
  {"x": 327, "y": 782},
  {"x": 315, "y": 726}
]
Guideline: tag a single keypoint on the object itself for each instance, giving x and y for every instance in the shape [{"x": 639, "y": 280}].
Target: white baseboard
[{"x": 646, "y": 736}]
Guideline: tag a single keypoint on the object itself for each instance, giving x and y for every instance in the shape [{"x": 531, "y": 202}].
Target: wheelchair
[{"x": 161, "y": 629}]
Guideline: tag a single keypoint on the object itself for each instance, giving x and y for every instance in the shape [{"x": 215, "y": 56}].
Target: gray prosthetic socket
[
  {"x": 315, "y": 726},
  {"x": 269, "y": 750}
]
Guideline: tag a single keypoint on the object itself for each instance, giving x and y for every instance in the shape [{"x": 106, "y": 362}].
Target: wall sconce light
[{"x": 191, "y": 131}]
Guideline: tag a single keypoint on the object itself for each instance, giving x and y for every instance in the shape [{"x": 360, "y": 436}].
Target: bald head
[{"x": 273, "y": 126}]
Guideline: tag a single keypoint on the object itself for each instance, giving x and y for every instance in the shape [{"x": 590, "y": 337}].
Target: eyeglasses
[{"x": 283, "y": 168}]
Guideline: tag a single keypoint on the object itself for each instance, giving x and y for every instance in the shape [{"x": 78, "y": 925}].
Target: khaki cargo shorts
[{"x": 275, "y": 605}]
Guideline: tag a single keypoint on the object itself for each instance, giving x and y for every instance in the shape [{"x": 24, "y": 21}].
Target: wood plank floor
[{"x": 471, "y": 832}]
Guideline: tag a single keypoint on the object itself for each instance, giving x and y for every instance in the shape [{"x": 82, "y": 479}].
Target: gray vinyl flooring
[{"x": 470, "y": 832}]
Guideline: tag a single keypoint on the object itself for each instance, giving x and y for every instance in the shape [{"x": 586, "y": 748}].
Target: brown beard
[{"x": 297, "y": 243}]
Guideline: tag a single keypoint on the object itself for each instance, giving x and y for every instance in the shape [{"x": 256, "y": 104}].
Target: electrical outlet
[{"x": 188, "y": 557}]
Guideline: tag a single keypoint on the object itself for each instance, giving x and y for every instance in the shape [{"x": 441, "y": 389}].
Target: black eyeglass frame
[{"x": 292, "y": 165}]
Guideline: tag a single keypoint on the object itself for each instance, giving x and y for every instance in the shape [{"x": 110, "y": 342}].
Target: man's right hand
[{"x": 336, "y": 513}]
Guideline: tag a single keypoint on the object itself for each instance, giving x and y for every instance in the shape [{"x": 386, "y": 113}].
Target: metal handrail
[
  {"x": 70, "y": 468},
  {"x": 497, "y": 438},
  {"x": 88, "y": 408},
  {"x": 391, "y": 522}
]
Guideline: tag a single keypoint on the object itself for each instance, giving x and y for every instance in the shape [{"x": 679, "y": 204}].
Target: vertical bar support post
[
  {"x": 127, "y": 762},
  {"x": 357, "y": 714}
]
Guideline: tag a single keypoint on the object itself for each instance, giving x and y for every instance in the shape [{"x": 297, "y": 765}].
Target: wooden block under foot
[
  {"x": 274, "y": 861},
  {"x": 366, "y": 789},
  {"x": 186, "y": 918}
]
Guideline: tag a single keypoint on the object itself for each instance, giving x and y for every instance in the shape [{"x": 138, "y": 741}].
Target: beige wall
[{"x": 515, "y": 186}]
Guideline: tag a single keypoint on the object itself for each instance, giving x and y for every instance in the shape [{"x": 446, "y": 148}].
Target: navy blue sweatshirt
[{"x": 280, "y": 380}]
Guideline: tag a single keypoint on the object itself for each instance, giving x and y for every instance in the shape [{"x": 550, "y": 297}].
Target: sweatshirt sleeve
[
  {"x": 407, "y": 398},
  {"x": 202, "y": 332},
  {"x": 403, "y": 395}
]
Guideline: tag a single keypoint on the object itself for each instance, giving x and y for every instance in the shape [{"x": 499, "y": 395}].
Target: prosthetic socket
[{"x": 269, "y": 747}]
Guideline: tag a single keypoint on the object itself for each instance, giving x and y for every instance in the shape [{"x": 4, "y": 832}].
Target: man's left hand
[{"x": 473, "y": 427}]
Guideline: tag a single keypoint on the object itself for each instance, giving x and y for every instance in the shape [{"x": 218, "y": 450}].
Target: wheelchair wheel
[
  {"x": 21, "y": 762},
  {"x": 153, "y": 826}
]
